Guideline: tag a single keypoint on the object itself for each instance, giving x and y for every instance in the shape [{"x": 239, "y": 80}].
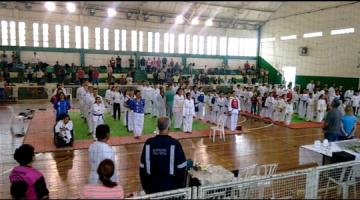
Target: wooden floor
[{"x": 67, "y": 172}]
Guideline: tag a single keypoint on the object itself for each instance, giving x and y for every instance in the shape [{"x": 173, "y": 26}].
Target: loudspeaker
[{"x": 303, "y": 51}]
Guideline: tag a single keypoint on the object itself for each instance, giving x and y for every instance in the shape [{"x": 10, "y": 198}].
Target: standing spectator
[
  {"x": 148, "y": 64},
  {"x": 72, "y": 72},
  {"x": 118, "y": 64},
  {"x": 6, "y": 75},
  {"x": 14, "y": 59},
  {"x": 247, "y": 67},
  {"x": 95, "y": 76},
  {"x": 164, "y": 61},
  {"x": 142, "y": 64},
  {"x": 35, "y": 60},
  {"x": 39, "y": 76},
  {"x": 90, "y": 76},
  {"x": 158, "y": 64},
  {"x": 35, "y": 181},
  {"x": 166, "y": 170},
  {"x": 80, "y": 75},
  {"x": 348, "y": 124},
  {"x": 108, "y": 189},
  {"x": 99, "y": 151},
  {"x": 109, "y": 71},
  {"x": 62, "y": 74},
  {"x": 2, "y": 88},
  {"x": 49, "y": 72},
  {"x": 4, "y": 59},
  {"x": 332, "y": 122},
  {"x": 29, "y": 74},
  {"x": 161, "y": 77},
  {"x": 131, "y": 62},
  {"x": 112, "y": 63},
  {"x": 153, "y": 64},
  {"x": 176, "y": 67},
  {"x": 172, "y": 63},
  {"x": 169, "y": 99}
]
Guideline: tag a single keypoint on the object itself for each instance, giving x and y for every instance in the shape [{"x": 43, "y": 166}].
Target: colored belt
[{"x": 98, "y": 115}]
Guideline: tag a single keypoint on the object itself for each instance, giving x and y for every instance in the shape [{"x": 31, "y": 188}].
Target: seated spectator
[
  {"x": 157, "y": 173},
  {"x": 29, "y": 74},
  {"x": 62, "y": 106},
  {"x": 348, "y": 124},
  {"x": 129, "y": 79},
  {"x": 246, "y": 66},
  {"x": 64, "y": 131},
  {"x": 2, "y": 88},
  {"x": 35, "y": 182},
  {"x": 122, "y": 80},
  {"x": 39, "y": 76},
  {"x": 107, "y": 189},
  {"x": 80, "y": 75}
]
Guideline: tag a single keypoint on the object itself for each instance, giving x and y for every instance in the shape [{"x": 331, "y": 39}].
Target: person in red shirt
[
  {"x": 80, "y": 75},
  {"x": 95, "y": 76},
  {"x": 247, "y": 66}
]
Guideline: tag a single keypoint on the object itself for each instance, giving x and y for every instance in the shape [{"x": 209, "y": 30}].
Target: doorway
[{"x": 289, "y": 75}]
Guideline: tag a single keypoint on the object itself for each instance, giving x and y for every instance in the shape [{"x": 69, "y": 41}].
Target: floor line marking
[{"x": 257, "y": 128}]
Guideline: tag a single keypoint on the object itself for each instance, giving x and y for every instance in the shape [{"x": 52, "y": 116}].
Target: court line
[
  {"x": 257, "y": 128},
  {"x": 9, "y": 170}
]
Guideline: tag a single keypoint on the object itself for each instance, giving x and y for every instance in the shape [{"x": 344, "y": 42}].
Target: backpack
[
  {"x": 201, "y": 98},
  {"x": 234, "y": 104}
]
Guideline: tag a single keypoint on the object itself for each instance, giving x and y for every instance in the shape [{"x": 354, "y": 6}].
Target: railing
[{"x": 340, "y": 181}]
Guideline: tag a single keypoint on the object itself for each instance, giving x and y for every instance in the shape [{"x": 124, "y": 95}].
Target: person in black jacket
[{"x": 163, "y": 163}]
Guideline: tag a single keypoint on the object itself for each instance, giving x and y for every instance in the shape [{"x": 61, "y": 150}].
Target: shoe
[{"x": 137, "y": 137}]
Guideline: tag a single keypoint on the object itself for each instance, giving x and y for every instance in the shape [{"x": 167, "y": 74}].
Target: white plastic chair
[
  {"x": 345, "y": 180},
  {"x": 219, "y": 127},
  {"x": 69, "y": 92}
]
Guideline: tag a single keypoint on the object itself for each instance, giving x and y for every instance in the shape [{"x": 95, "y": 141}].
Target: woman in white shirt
[
  {"x": 188, "y": 113},
  {"x": 117, "y": 99},
  {"x": 160, "y": 103},
  {"x": 63, "y": 129},
  {"x": 178, "y": 108}
]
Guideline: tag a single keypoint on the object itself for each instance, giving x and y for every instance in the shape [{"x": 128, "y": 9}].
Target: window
[
  {"x": 267, "y": 40},
  {"x": 310, "y": 35},
  {"x": 66, "y": 37},
  {"x": 211, "y": 45},
  {"x": 22, "y": 39},
  {"x": 45, "y": 28},
  {"x": 4, "y": 33},
  {"x": 150, "y": 41},
  {"x": 117, "y": 40},
  {"x": 141, "y": 35},
  {"x": 181, "y": 43},
  {"x": 248, "y": 47},
  {"x": 233, "y": 47},
  {"x": 58, "y": 36},
  {"x": 157, "y": 42},
  {"x": 97, "y": 38},
  {"x": 166, "y": 42},
  {"x": 133, "y": 40},
  {"x": 290, "y": 37},
  {"x": 195, "y": 44},
  {"x": 123, "y": 40},
  {"x": 106, "y": 38},
  {"x": 86, "y": 37},
  {"x": 223, "y": 46},
  {"x": 342, "y": 31},
  {"x": 35, "y": 34},
  {"x": 13, "y": 33},
  {"x": 172, "y": 43},
  {"x": 201, "y": 44},
  {"x": 187, "y": 44},
  {"x": 78, "y": 37}
]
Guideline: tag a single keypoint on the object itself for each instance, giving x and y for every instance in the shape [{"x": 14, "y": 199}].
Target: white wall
[
  {"x": 52, "y": 57},
  {"x": 201, "y": 62},
  {"x": 97, "y": 60},
  {"x": 235, "y": 63},
  {"x": 328, "y": 55}
]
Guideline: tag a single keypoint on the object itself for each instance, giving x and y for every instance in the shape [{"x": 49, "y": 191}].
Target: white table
[{"x": 310, "y": 154}]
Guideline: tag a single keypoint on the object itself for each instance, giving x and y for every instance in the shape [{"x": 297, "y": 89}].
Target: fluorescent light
[
  {"x": 179, "y": 19},
  {"x": 111, "y": 12},
  {"x": 342, "y": 31},
  {"x": 290, "y": 37},
  {"x": 209, "y": 22},
  {"x": 50, "y": 6},
  {"x": 315, "y": 34},
  {"x": 267, "y": 39},
  {"x": 195, "y": 21},
  {"x": 71, "y": 7}
]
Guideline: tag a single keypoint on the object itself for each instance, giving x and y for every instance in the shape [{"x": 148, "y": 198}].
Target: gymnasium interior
[{"x": 218, "y": 46}]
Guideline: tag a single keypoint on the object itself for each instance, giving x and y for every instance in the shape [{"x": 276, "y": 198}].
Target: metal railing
[{"x": 340, "y": 181}]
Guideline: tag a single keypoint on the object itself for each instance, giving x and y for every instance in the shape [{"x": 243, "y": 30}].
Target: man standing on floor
[
  {"x": 138, "y": 105},
  {"x": 99, "y": 151},
  {"x": 332, "y": 126},
  {"x": 163, "y": 163}
]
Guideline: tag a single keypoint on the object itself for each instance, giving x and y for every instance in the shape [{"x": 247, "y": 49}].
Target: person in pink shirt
[
  {"x": 25, "y": 174},
  {"x": 107, "y": 189}
]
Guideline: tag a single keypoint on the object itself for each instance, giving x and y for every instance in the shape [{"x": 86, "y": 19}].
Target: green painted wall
[
  {"x": 274, "y": 75},
  {"x": 345, "y": 82}
]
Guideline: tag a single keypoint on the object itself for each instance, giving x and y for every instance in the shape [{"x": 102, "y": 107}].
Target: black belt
[{"x": 98, "y": 115}]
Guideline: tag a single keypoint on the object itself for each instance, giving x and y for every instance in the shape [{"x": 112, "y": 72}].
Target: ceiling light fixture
[
  {"x": 209, "y": 22},
  {"x": 179, "y": 19},
  {"x": 195, "y": 21},
  {"x": 71, "y": 7},
  {"x": 50, "y": 6},
  {"x": 111, "y": 12}
]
